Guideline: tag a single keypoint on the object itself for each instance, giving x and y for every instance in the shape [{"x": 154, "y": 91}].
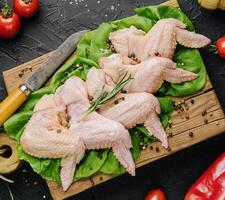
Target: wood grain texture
[
  {"x": 8, "y": 164},
  {"x": 17, "y": 75},
  {"x": 204, "y": 119}
]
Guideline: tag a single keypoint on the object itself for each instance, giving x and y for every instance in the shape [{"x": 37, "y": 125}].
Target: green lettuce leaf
[
  {"x": 156, "y": 13},
  {"x": 15, "y": 124},
  {"x": 47, "y": 168},
  {"x": 188, "y": 59},
  {"x": 91, "y": 163},
  {"x": 166, "y": 105},
  {"x": 139, "y": 22},
  {"x": 111, "y": 165}
]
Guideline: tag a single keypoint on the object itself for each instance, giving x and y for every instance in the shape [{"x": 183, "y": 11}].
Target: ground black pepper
[
  {"x": 158, "y": 54},
  {"x": 20, "y": 75},
  {"x": 100, "y": 155},
  {"x": 191, "y": 134},
  {"x": 116, "y": 101},
  {"x": 157, "y": 149},
  {"x": 170, "y": 134},
  {"x": 204, "y": 113},
  {"x": 90, "y": 97}
]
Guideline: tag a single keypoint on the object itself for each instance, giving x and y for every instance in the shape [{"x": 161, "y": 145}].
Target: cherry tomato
[
  {"x": 221, "y": 46},
  {"x": 9, "y": 25},
  {"x": 156, "y": 194},
  {"x": 26, "y": 8}
]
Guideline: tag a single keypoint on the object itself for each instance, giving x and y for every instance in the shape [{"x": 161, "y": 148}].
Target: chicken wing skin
[
  {"x": 99, "y": 132},
  {"x": 97, "y": 82},
  {"x": 120, "y": 41},
  {"x": 161, "y": 40},
  {"x": 45, "y": 135},
  {"x": 69, "y": 163},
  {"x": 148, "y": 76},
  {"x": 132, "y": 109}
]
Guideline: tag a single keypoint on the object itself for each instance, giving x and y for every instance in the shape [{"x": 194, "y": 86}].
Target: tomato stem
[
  {"x": 27, "y": 1},
  {"x": 213, "y": 48},
  {"x": 6, "y": 10}
]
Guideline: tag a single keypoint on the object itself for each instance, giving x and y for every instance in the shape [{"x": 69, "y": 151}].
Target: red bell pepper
[{"x": 211, "y": 185}]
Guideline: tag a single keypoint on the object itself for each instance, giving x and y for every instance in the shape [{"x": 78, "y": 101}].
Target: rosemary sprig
[{"x": 104, "y": 96}]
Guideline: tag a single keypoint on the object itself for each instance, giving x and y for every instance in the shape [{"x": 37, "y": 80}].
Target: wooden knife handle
[{"x": 13, "y": 102}]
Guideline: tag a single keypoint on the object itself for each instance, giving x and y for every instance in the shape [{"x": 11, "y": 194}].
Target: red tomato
[
  {"x": 9, "y": 26},
  {"x": 221, "y": 46},
  {"x": 26, "y": 8},
  {"x": 156, "y": 194}
]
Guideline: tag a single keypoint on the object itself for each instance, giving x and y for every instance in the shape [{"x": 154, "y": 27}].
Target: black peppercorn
[
  {"x": 157, "y": 149},
  {"x": 191, "y": 134}
]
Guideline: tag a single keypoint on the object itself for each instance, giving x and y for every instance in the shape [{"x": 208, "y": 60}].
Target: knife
[{"x": 39, "y": 77}]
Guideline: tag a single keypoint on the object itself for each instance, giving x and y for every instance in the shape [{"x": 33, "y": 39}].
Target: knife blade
[
  {"x": 45, "y": 70},
  {"x": 39, "y": 77}
]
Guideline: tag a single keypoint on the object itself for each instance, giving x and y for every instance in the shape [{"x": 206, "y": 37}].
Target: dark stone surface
[{"x": 56, "y": 20}]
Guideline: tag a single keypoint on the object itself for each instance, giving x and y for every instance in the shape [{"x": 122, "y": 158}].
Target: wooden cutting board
[{"x": 202, "y": 118}]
